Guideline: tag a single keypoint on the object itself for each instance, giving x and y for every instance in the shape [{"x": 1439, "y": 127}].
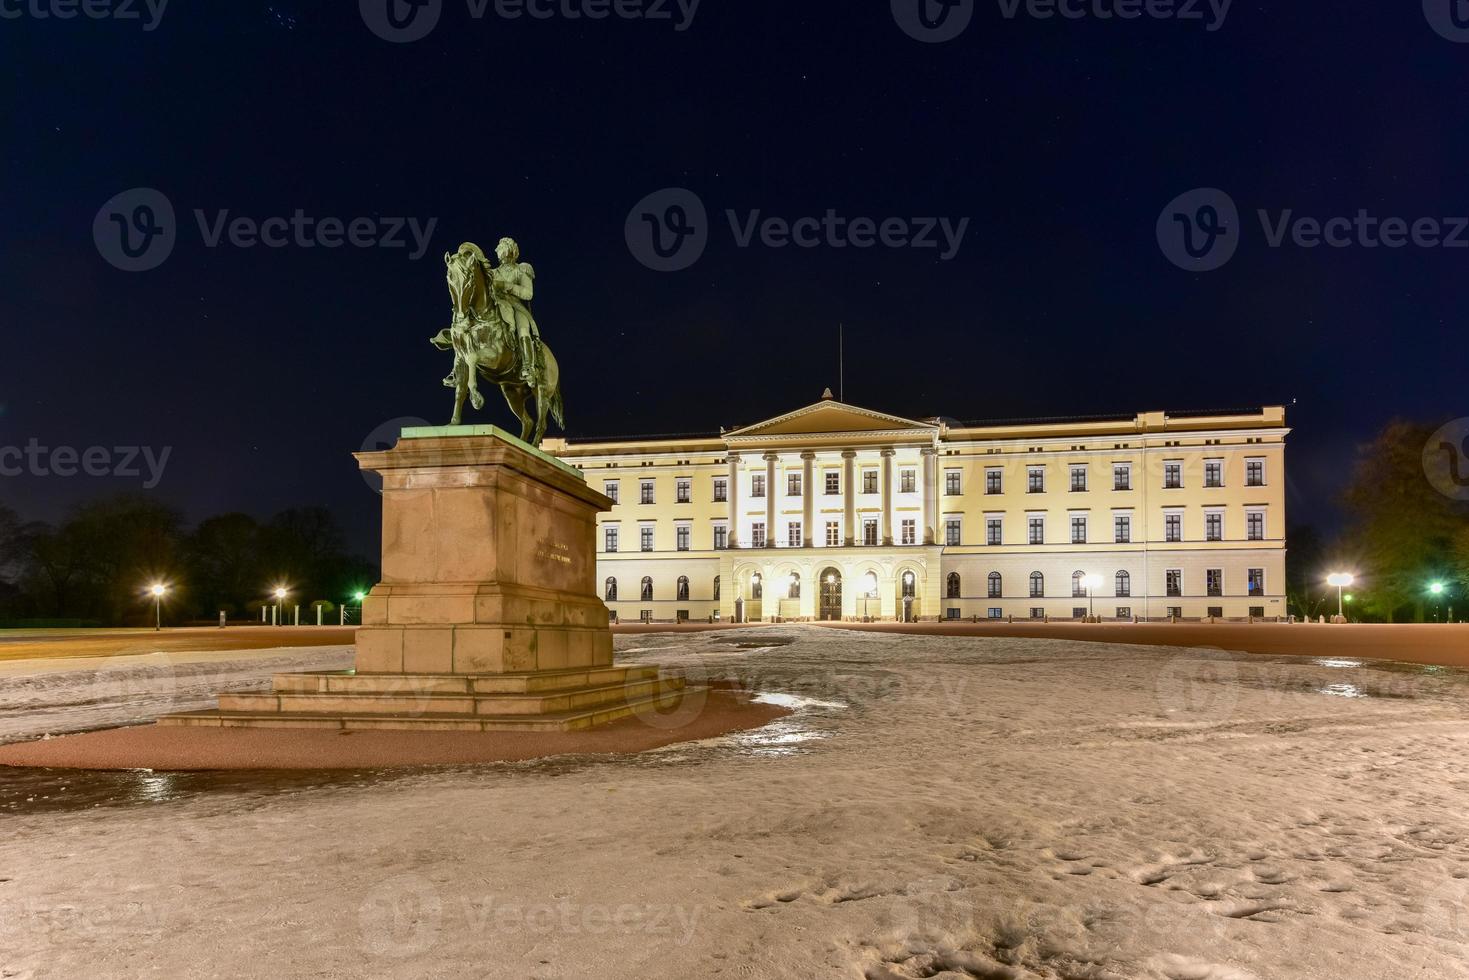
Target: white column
[
  {"x": 732, "y": 492},
  {"x": 808, "y": 501},
  {"x": 849, "y": 495},
  {"x": 887, "y": 497},
  {"x": 770, "y": 529},
  {"x": 930, "y": 495}
]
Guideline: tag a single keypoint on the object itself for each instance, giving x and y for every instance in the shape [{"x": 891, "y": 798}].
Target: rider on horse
[{"x": 512, "y": 286}]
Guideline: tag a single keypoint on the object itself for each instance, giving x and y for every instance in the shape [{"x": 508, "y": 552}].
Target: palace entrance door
[{"x": 831, "y": 594}]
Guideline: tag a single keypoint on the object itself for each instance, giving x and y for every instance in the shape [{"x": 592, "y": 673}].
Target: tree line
[{"x": 96, "y": 566}]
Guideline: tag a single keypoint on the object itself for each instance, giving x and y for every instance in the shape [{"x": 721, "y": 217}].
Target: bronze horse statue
[{"x": 484, "y": 345}]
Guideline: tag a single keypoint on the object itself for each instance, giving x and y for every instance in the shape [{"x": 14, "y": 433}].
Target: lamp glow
[{"x": 1339, "y": 580}]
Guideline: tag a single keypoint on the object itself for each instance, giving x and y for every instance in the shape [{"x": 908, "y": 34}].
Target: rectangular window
[
  {"x": 610, "y": 489},
  {"x": 953, "y": 530},
  {"x": 1257, "y": 612},
  {"x": 993, "y": 481},
  {"x": 609, "y": 539},
  {"x": 757, "y": 534},
  {"x": 1172, "y": 476},
  {"x": 1121, "y": 529},
  {"x": 721, "y": 537},
  {"x": 793, "y": 534},
  {"x": 833, "y": 483},
  {"x": 1124, "y": 612},
  {"x": 793, "y": 484},
  {"x": 683, "y": 490},
  {"x": 1256, "y": 580},
  {"x": 1037, "y": 612},
  {"x": 1037, "y": 530},
  {"x": 1078, "y": 612},
  {"x": 757, "y": 485},
  {"x": 1121, "y": 476},
  {"x": 993, "y": 530},
  {"x": 951, "y": 613},
  {"x": 721, "y": 490},
  {"x": 1035, "y": 480},
  {"x": 1078, "y": 479},
  {"x": 1173, "y": 527},
  {"x": 1214, "y": 527},
  {"x": 869, "y": 532},
  {"x": 995, "y": 612},
  {"x": 1173, "y": 579},
  {"x": 1255, "y": 525},
  {"x": 910, "y": 532},
  {"x": 1213, "y": 472},
  {"x": 1216, "y": 612},
  {"x": 907, "y": 481},
  {"x": 1214, "y": 581},
  {"x": 1254, "y": 472},
  {"x": 1175, "y": 612},
  {"x": 953, "y": 483},
  {"x": 869, "y": 481},
  {"x": 681, "y": 536},
  {"x": 1078, "y": 530},
  {"x": 995, "y": 586},
  {"x": 833, "y": 534},
  {"x": 645, "y": 492},
  {"x": 646, "y": 536}
]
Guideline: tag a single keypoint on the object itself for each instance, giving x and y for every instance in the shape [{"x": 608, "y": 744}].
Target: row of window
[
  {"x": 1122, "y": 612},
  {"x": 1121, "y": 584},
  {"x": 646, "y": 589},
  {"x": 953, "y": 531},
  {"x": 1035, "y": 481}
]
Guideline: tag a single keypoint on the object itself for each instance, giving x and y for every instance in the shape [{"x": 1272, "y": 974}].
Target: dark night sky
[{"x": 1061, "y": 140}]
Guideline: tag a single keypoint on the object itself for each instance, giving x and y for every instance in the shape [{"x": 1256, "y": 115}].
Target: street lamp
[
  {"x": 1092, "y": 581},
  {"x": 280, "y": 597},
  {"x": 1341, "y": 580},
  {"x": 1437, "y": 588},
  {"x": 158, "y": 591}
]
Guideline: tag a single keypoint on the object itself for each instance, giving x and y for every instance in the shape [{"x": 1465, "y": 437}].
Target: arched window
[
  {"x": 757, "y": 587},
  {"x": 683, "y": 588},
  {"x": 647, "y": 589},
  {"x": 952, "y": 589},
  {"x": 997, "y": 588},
  {"x": 1037, "y": 585},
  {"x": 1078, "y": 584},
  {"x": 1124, "y": 584},
  {"x": 716, "y": 588},
  {"x": 612, "y": 590},
  {"x": 910, "y": 584},
  {"x": 795, "y": 591}
]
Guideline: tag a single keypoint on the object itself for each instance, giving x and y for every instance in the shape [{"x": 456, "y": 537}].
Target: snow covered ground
[
  {"x": 75, "y": 694},
  {"x": 954, "y": 808}
]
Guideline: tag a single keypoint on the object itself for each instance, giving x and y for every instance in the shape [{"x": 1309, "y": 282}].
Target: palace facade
[{"x": 838, "y": 512}]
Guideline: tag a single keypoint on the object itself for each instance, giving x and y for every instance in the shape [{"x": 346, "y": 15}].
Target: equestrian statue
[{"x": 493, "y": 335}]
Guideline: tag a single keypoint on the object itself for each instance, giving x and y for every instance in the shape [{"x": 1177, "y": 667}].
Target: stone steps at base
[
  {"x": 560, "y": 722},
  {"x": 351, "y": 682},
  {"x": 428, "y": 703}
]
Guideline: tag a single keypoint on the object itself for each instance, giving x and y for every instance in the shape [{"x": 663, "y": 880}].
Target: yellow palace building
[{"x": 838, "y": 512}]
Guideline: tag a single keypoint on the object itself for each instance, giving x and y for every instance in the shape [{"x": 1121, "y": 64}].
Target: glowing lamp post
[
  {"x": 1341, "y": 580},
  {"x": 1091, "y": 582},
  {"x": 1437, "y": 588},
  {"x": 280, "y": 597},
  {"x": 158, "y": 591}
]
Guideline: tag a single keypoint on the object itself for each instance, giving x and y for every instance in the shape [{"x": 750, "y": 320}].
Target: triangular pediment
[{"x": 828, "y": 417}]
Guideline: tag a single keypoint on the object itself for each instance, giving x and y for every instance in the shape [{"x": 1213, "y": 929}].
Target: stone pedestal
[{"x": 487, "y": 616}]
